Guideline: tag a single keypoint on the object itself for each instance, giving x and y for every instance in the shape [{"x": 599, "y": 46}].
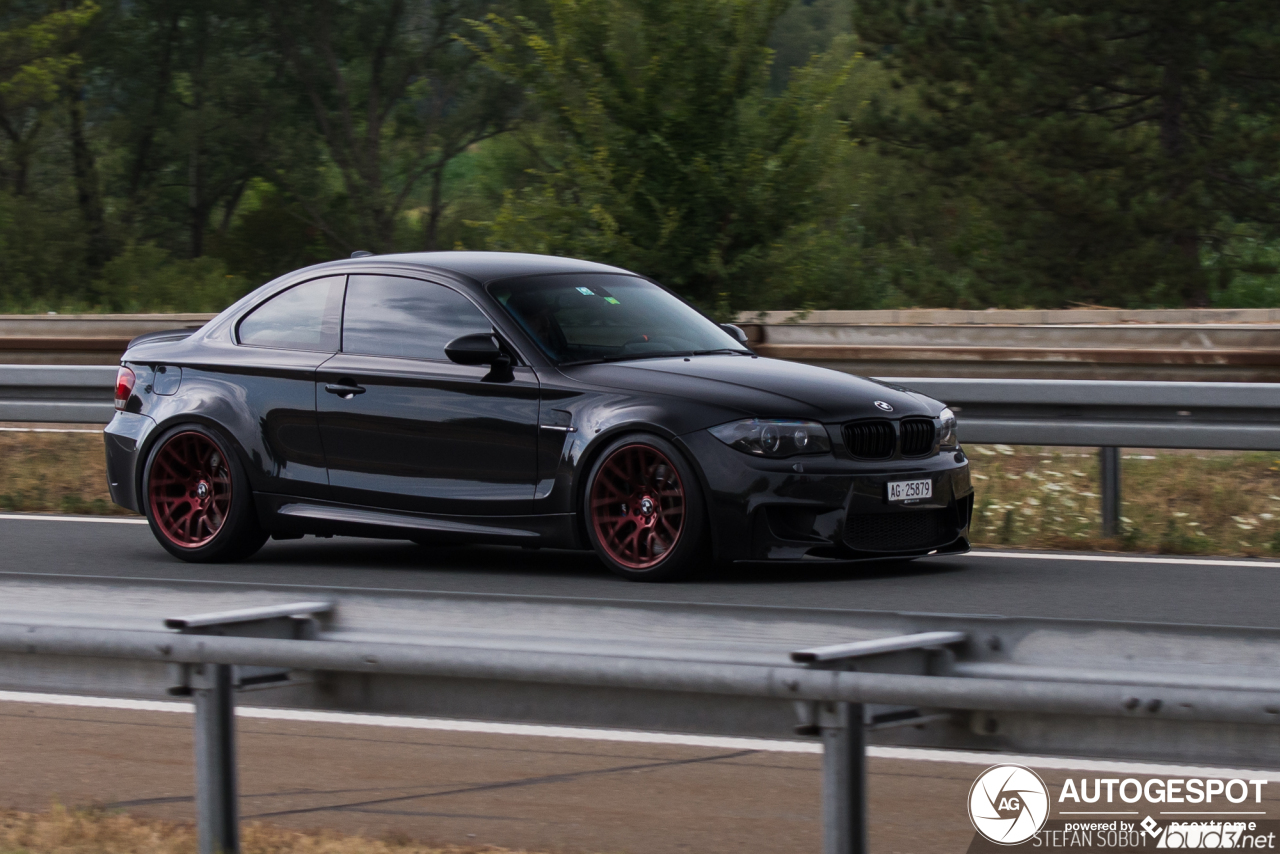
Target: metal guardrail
[
  {"x": 1209, "y": 416},
  {"x": 1104, "y": 414},
  {"x": 1111, "y": 415},
  {"x": 1219, "y": 345},
  {"x": 1151, "y": 691},
  {"x": 1219, "y": 416},
  {"x": 955, "y": 317},
  {"x": 81, "y": 339},
  {"x": 61, "y": 394},
  {"x": 1214, "y": 346}
]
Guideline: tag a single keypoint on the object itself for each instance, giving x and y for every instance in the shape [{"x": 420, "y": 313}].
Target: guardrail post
[
  {"x": 213, "y": 686},
  {"x": 844, "y": 778},
  {"x": 1109, "y": 475},
  {"x": 843, "y": 729},
  {"x": 217, "y": 816}
]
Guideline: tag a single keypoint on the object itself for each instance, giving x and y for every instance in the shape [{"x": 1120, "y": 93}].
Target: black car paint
[
  {"x": 450, "y": 450},
  {"x": 429, "y": 437}
]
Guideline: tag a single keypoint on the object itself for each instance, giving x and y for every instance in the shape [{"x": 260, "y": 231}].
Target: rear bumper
[
  {"x": 125, "y": 437},
  {"x": 830, "y": 509}
]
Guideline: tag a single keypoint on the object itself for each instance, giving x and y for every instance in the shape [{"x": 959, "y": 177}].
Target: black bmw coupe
[{"x": 522, "y": 399}]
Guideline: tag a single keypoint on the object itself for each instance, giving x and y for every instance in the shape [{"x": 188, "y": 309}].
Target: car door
[
  {"x": 405, "y": 428},
  {"x": 265, "y": 385}
]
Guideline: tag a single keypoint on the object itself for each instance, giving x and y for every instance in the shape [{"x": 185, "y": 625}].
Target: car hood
[{"x": 758, "y": 387}]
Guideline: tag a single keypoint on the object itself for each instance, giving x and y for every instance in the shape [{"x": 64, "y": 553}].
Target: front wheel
[
  {"x": 198, "y": 501},
  {"x": 644, "y": 510}
]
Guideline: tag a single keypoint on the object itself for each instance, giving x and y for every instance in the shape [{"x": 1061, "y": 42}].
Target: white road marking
[
  {"x": 917, "y": 754},
  {"x": 45, "y": 430},
  {"x": 1110, "y": 558},
  {"x": 42, "y": 517}
]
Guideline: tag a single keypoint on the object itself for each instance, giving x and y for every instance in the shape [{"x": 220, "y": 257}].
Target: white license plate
[{"x": 910, "y": 490}]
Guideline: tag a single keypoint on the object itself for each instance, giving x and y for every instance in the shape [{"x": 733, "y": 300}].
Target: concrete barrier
[
  {"x": 80, "y": 339},
  {"x": 1201, "y": 345}
]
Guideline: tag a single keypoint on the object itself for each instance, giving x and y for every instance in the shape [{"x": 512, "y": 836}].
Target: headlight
[
  {"x": 948, "y": 439},
  {"x": 767, "y": 437}
]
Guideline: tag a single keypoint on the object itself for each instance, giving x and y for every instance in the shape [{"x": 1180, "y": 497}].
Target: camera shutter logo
[
  {"x": 1008, "y": 804},
  {"x": 880, "y": 404}
]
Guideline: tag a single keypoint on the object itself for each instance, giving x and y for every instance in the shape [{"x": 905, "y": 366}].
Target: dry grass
[
  {"x": 54, "y": 473},
  {"x": 1173, "y": 502},
  {"x": 63, "y": 831}
]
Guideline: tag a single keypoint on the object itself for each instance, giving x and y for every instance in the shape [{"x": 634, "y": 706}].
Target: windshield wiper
[{"x": 723, "y": 351}]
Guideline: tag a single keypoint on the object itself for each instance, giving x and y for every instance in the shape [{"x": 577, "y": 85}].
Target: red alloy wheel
[
  {"x": 190, "y": 489},
  {"x": 637, "y": 506}
]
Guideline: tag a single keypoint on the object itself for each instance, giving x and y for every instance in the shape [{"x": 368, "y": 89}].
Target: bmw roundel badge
[{"x": 880, "y": 404}]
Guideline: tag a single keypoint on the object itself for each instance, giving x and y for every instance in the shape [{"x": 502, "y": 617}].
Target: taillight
[{"x": 125, "y": 379}]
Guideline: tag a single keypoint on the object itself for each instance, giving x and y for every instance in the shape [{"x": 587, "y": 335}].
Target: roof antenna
[{"x": 361, "y": 253}]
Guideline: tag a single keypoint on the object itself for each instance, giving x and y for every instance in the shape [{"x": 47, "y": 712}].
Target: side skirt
[{"x": 288, "y": 515}]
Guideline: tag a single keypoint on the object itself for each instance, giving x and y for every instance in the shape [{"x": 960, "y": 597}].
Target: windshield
[{"x": 597, "y": 317}]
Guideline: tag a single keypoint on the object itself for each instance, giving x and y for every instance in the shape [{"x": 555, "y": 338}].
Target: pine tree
[{"x": 1113, "y": 141}]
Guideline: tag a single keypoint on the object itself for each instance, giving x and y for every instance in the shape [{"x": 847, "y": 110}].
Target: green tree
[
  {"x": 660, "y": 148},
  {"x": 194, "y": 101},
  {"x": 807, "y": 28},
  {"x": 36, "y": 57},
  {"x": 393, "y": 98},
  {"x": 42, "y": 240},
  {"x": 1111, "y": 143}
]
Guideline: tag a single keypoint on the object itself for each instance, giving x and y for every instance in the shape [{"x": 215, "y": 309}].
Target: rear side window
[
  {"x": 305, "y": 317},
  {"x": 409, "y": 318}
]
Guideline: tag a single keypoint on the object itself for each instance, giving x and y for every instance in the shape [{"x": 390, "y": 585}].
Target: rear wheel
[
  {"x": 198, "y": 501},
  {"x": 644, "y": 511}
]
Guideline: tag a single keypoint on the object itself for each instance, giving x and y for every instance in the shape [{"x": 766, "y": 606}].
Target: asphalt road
[{"x": 1087, "y": 585}]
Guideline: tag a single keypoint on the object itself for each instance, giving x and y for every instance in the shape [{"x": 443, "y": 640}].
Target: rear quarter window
[{"x": 304, "y": 317}]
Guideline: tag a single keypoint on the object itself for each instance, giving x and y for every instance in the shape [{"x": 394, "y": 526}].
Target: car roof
[{"x": 482, "y": 266}]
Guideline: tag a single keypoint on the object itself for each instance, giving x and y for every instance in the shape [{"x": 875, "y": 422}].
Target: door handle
[{"x": 346, "y": 391}]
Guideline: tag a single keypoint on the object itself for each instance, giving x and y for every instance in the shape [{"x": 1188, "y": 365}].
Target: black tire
[
  {"x": 612, "y": 520},
  {"x": 226, "y": 533}
]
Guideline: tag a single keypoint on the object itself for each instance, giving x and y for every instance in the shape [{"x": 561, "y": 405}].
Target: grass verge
[
  {"x": 54, "y": 473},
  {"x": 64, "y": 831},
  {"x": 1174, "y": 502}
]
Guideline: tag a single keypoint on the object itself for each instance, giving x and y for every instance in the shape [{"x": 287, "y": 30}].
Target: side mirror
[
  {"x": 736, "y": 331},
  {"x": 480, "y": 348}
]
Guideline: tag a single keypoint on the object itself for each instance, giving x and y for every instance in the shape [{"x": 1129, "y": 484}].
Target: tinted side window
[
  {"x": 389, "y": 316},
  {"x": 302, "y": 318}
]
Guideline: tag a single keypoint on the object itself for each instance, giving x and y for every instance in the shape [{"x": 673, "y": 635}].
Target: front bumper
[
  {"x": 829, "y": 508},
  {"x": 125, "y": 437}
]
